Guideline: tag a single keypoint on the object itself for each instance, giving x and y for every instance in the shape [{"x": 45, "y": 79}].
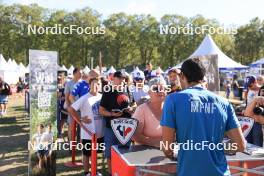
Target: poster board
[
  {"x": 212, "y": 71},
  {"x": 43, "y": 110}
]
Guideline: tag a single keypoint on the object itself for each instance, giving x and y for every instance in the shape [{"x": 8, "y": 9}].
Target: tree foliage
[{"x": 128, "y": 40}]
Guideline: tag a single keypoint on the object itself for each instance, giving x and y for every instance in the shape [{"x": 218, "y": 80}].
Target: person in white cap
[{"x": 139, "y": 90}]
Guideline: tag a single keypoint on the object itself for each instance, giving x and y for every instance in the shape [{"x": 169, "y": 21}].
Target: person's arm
[
  {"x": 258, "y": 101},
  {"x": 237, "y": 138},
  {"x": 74, "y": 114},
  {"x": 234, "y": 132},
  {"x": 168, "y": 123},
  {"x": 67, "y": 94},
  {"x": 74, "y": 93},
  {"x": 168, "y": 137},
  {"x": 103, "y": 112},
  {"x": 73, "y": 111},
  {"x": 71, "y": 99},
  {"x": 102, "y": 108},
  {"x": 245, "y": 95}
]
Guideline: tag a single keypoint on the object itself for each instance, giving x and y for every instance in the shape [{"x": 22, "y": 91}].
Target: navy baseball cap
[{"x": 249, "y": 80}]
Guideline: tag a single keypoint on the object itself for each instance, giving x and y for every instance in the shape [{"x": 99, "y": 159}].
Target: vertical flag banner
[{"x": 43, "y": 112}]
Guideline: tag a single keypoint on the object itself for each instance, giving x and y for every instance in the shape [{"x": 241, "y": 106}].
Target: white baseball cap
[{"x": 138, "y": 74}]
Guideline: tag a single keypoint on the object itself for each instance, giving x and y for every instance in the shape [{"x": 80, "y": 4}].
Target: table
[{"x": 136, "y": 160}]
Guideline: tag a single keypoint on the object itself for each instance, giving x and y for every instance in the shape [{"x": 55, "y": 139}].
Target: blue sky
[{"x": 227, "y": 12}]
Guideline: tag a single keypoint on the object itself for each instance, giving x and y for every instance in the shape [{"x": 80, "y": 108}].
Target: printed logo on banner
[
  {"x": 246, "y": 124},
  {"x": 44, "y": 62},
  {"x": 124, "y": 129}
]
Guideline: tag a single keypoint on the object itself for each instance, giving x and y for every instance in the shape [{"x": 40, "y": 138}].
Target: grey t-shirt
[{"x": 69, "y": 86}]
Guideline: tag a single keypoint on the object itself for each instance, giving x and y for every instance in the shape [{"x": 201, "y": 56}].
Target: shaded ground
[{"x": 14, "y": 134}]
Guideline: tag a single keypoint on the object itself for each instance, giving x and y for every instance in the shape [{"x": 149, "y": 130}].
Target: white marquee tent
[
  {"x": 8, "y": 70},
  {"x": 21, "y": 69},
  {"x": 111, "y": 70},
  {"x": 3, "y": 63},
  {"x": 70, "y": 70},
  {"x": 208, "y": 47},
  {"x": 86, "y": 69}
]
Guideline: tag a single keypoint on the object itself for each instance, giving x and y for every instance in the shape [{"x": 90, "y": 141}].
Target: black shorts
[
  {"x": 87, "y": 146},
  {"x": 64, "y": 116}
]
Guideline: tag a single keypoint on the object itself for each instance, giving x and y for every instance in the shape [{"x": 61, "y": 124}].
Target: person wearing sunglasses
[
  {"x": 148, "y": 114},
  {"x": 198, "y": 118},
  {"x": 139, "y": 89}
]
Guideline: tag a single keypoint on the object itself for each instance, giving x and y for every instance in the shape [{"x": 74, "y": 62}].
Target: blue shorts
[
  {"x": 3, "y": 99},
  {"x": 110, "y": 140}
]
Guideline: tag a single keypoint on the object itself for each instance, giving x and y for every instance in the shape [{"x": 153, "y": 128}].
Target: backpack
[{"x": 6, "y": 90}]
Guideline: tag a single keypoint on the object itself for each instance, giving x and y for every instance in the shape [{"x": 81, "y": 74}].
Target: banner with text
[{"x": 43, "y": 112}]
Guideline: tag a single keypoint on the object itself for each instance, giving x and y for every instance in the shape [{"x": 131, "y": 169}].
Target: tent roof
[
  {"x": 70, "y": 70},
  {"x": 159, "y": 70},
  {"x": 86, "y": 69},
  {"x": 62, "y": 68},
  {"x": 3, "y": 63},
  {"x": 258, "y": 62},
  {"x": 208, "y": 47},
  {"x": 111, "y": 70}
]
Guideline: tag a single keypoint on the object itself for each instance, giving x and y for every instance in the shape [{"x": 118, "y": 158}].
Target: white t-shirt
[
  {"x": 37, "y": 137},
  {"x": 47, "y": 137},
  {"x": 42, "y": 140},
  {"x": 89, "y": 106},
  {"x": 251, "y": 95}
]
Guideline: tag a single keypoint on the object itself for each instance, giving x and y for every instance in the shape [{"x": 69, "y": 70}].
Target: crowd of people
[
  {"x": 95, "y": 100},
  {"x": 176, "y": 107},
  {"x": 171, "y": 107}
]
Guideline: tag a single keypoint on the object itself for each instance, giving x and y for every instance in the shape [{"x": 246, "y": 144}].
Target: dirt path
[{"x": 14, "y": 134}]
